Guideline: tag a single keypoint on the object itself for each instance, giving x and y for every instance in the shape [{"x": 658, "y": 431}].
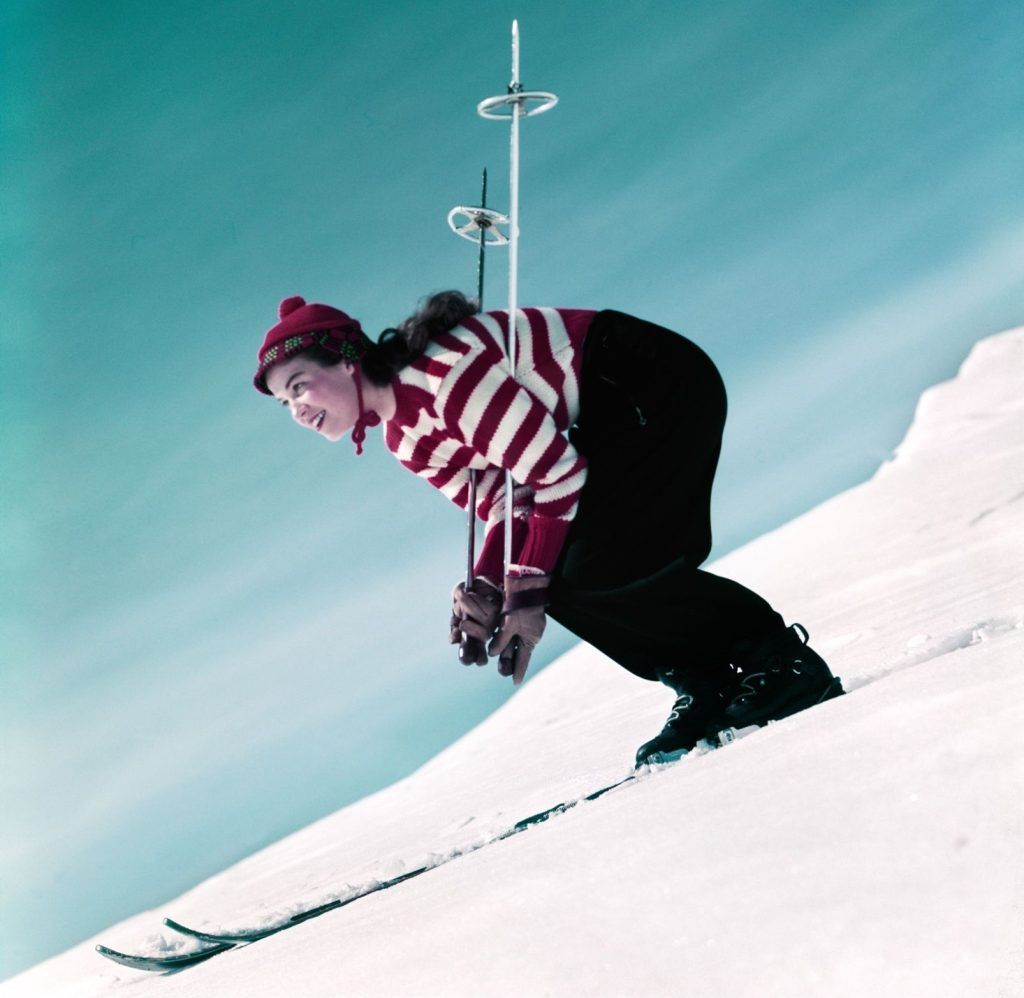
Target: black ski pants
[{"x": 652, "y": 410}]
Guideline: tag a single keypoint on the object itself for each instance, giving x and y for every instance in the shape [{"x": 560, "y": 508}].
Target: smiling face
[{"x": 320, "y": 398}]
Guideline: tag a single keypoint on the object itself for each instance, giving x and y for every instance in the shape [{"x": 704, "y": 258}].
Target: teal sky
[{"x": 215, "y": 627}]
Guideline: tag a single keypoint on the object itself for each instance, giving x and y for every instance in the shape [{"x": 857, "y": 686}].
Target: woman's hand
[
  {"x": 475, "y": 613},
  {"x": 522, "y": 624}
]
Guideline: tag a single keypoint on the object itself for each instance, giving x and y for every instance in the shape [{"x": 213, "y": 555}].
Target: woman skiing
[{"x": 611, "y": 429}]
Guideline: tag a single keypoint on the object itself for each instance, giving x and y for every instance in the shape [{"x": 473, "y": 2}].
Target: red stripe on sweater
[
  {"x": 524, "y": 435},
  {"x": 463, "y": 388},
  {"x": 498, "y": 404},
  {"x": 558, "y": 508},
  {"x": 450, "y": 342},
  {"x": 444, "y": 476},
  {"x": 552, "y": 455},
  {"x": 501, "y": 318},
  {"x": 392, "y": 435},
  {"x": 431, "y": 366},
  {"x": 491, "y": 493},
  {"x": 463, "y": 456},
  {"x": 485, "y": 337},
  {"x": 545, "y": 365},
  {"x": 409, "y": 400},
  {"x": 425, "y": 446}
]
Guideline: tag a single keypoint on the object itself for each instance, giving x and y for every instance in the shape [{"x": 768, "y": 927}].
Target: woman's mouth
[{"x": 317, "y": 421}]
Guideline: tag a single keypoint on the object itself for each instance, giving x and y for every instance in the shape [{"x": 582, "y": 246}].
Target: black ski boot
[
  {"x": 780, "y": 676},
  {"x": 699, "y": 706}
]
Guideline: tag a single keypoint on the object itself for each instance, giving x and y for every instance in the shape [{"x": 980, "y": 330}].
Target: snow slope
[{"x": 871, "y": 846}]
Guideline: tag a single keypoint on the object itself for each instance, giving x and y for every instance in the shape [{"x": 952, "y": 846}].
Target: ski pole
[
  {"x": 469, "y": 649},
  {"x": 514, "y": 105},
  {"x": 480, "y": 225}
]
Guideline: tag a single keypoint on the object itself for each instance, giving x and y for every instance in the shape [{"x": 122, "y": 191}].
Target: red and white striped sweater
[{"x": 458, "y": 408}]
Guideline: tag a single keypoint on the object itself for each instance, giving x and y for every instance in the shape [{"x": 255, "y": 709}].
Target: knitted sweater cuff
[
  {"x": 491, "y": 562},
  {"x": 536, "y": 543},
  {"x": 544, "y": 541}
]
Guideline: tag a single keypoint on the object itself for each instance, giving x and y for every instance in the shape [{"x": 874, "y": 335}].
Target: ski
[
  {"x": 228, "y": 938},
  {"x": 221, "y": 941},
  {"x": 245, "y": 936},
  {"x": 158, "y": 963},
  {"x": 254, "y": 935},
  {"x": 536, "y": 819}
]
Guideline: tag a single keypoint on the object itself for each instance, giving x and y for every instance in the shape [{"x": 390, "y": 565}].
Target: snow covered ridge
[
  {"x": 867, "y": 846},
  {"x": 989, "y": 385},
  {"x": 959, "y": 468}
]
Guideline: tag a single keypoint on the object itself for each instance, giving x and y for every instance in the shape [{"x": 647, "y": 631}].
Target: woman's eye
[{"x": 300, "y": 387}]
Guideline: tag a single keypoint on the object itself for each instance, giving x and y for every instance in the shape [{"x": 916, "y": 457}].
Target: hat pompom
[{"x": 289, "y": 305}]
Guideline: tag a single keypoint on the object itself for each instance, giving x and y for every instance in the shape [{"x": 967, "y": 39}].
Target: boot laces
[
  {"x": 774, "y": 667},
  {"x": 682, "y": 704}
]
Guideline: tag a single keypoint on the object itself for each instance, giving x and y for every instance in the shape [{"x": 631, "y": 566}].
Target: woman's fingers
[
  {"x": 513, "y": 657},
  {"x": 472, "y": 605},
  {"x": 475, "y": 614},
  {"x": 500, "y": 640},
  {"x": 506, "y": 664},
  {"x": 472, "y": 651},
  {"x": 522, "y": 663},
  {"x": 474, "y": 629}
]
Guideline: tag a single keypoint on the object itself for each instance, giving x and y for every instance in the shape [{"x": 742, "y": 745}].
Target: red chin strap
[{"x": 365, "y": 418}]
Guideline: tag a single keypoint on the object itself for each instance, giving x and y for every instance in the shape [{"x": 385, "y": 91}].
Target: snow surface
[{"x": 871, "y": 846}]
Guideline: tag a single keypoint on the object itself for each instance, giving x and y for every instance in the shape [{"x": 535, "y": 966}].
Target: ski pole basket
[
  {"x": 472, "y": 223},
  {"x": 505, "y": 105}
]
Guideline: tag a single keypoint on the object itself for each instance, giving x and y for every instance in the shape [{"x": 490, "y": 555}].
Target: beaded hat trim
[{"x": 348, "y": 343}]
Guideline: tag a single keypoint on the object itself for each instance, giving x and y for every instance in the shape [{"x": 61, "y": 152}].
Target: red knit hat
[{"x": 303, "y": 326}]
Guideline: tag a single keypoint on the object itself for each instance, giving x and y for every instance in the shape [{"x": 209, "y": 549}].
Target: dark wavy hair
[{"x": 398, "y": 347}]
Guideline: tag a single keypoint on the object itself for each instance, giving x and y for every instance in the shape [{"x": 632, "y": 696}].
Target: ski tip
[{"x": 515, "y": 26}]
